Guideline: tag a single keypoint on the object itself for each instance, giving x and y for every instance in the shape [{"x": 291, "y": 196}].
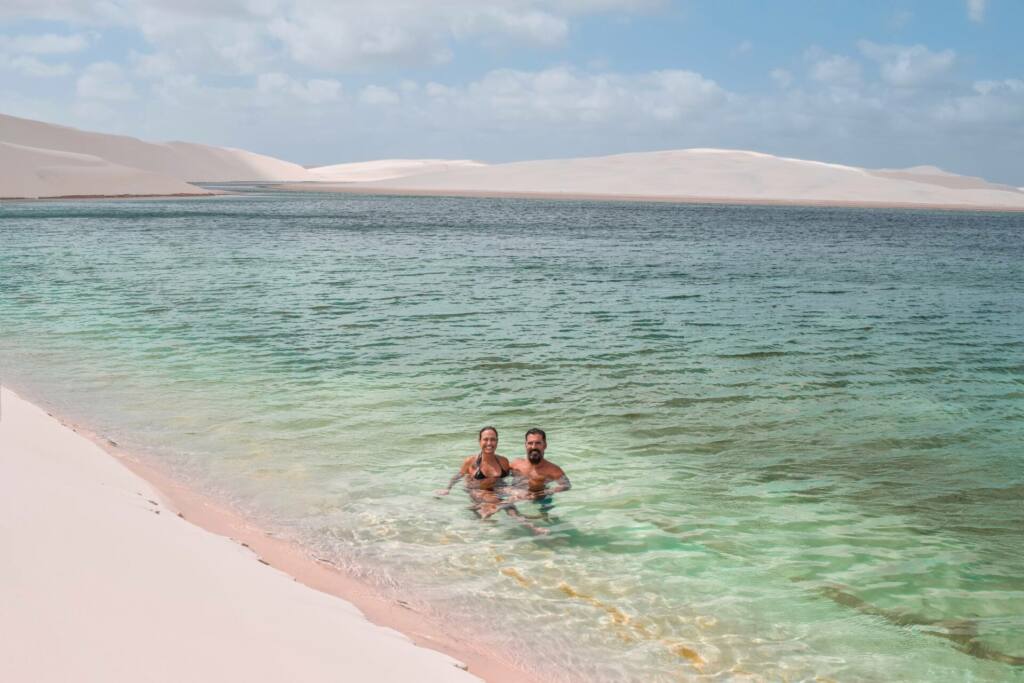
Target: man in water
[{"x": 538, "y": 472}]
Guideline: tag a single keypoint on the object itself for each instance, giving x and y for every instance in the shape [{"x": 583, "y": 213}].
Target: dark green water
[{"x": 796, "y": 436}]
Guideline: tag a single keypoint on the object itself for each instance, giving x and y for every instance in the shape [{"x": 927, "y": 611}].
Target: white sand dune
[
  {"x": 690, "y": 174},
  {"x": 30, "y": 172},
  {"x": 101, "y": 581},
  {"x": 386, "y": 169},
  {"x": 183, "y": 160},
  {"x": 936, "y": 176},
  {"x": 716, "y": 174}
]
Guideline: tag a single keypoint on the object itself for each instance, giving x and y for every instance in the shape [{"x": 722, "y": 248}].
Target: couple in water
[{"x": 495, "y": 484}]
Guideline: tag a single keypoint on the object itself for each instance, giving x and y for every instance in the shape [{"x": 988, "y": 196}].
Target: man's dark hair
[
  {"x": 537, "y": 431},
  {"x": 485, "y": 429}
]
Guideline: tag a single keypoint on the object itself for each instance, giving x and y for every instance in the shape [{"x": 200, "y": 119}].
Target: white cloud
[
  {"x": 836, "y": 70},
  {"x": 317, "y": 90},
  {"x": 104, "y": 81},
  {"x": 345, "y": 36},
  {"x": 342, "y": 41},
  {"x": 533, "y": 26},
  {"x": 179, "y": 90},
  {"x": 66, "y": 10},
  {"x": 742, "y": 48},
  {"x": 206, "y": 40},
  {"x": 151, "y": 65},
  {"x": 991, "y": 104},
  {"x": 437, "y": 90},
  {"x": 312, "y": 91},
  {"x": 908, "y": 66},
  {"x": 33, "y": 67},
  {"x": 1010, "y": 85},
  {"x": 899, "y": 19},
  {"x": 527, "y": 26},
  {"x": 375, "y": 94},
  {"x": 781, "y": 77},
  {"x": 21, "y": 53},
  {"x": 97, "y": 114},
  {"x": 44, "y": 44},
  {"x": 563, "y": 94},
  {"x": 976, "y": 10},
  {"x": 672, "y": 94},
  {"x": 504, "y": 98},
  {"x": 251, "y": 36},
  {"x": 607, "y": 5}
]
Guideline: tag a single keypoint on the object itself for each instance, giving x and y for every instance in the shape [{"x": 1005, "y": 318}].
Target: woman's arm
[
  {"x": 448, "y": 489},
  {"x": 458, "y": 475}
]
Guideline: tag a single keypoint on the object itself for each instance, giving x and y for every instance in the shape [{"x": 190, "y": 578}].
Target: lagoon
[{"x": 794, "y": 434}]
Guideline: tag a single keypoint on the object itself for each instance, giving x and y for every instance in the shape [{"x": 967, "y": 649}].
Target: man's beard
[{"x": 535, "y": 456}]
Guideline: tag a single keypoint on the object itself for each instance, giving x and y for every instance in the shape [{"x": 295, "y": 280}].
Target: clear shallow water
[{"x": 795, "y": 435}]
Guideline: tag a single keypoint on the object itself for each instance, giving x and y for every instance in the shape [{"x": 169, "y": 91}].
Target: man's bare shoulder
[
  {"x": 519, "y": 463},
  {"x": 553, "y": 471}
]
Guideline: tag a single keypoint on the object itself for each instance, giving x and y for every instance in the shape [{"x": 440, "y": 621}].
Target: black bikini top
[{"x": 480, "y": 473}]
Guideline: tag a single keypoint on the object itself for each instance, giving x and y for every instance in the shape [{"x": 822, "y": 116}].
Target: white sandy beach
[{"x": 102, "y": 581}]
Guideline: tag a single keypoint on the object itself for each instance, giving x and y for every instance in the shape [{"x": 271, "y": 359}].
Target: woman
[{"x": 482, "y": 472}]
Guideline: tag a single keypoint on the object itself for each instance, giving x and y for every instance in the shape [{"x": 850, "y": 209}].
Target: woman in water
[{"x": 484, "y": 474}]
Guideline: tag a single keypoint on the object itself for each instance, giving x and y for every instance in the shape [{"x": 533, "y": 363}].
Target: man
[{"x": 538, "y": 472}]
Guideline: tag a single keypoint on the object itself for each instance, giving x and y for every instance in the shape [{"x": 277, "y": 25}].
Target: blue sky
[{"x": 878, "y": 84}]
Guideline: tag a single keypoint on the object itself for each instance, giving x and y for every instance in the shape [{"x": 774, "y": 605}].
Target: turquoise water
[{"x": 796, "y": 435}]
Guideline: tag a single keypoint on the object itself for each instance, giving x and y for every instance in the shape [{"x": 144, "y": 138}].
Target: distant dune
[
  {"x": 187, "y": 161},
  {"x": 30, "y": 173},
  {"x": 386, "y": 169},
  {"x": 718, "y": 175},
  {"x": 46, "y": 160}
]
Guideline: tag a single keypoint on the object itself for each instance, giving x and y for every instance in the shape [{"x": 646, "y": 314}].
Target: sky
[{"x": 888, "y": 84}]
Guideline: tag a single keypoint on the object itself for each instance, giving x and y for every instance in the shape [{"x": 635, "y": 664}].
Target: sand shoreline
[
  {"x": 360, "y": 189},
  {"x": 318, "y": 574},
  {"x": 59, "y": 198}
]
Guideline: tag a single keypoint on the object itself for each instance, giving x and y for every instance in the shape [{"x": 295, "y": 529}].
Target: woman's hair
[{"x": 485, "y": 429}]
